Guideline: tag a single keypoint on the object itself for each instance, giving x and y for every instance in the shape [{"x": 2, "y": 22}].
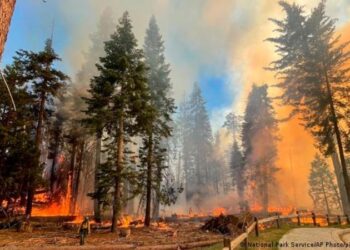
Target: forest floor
[{"x": 183, "y": 234}]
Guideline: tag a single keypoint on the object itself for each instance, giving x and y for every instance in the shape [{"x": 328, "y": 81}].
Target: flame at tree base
[{"x": 62, "y": 207}]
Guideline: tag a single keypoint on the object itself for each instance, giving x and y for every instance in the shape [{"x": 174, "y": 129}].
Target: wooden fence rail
[{"x": 230, "y": 244}]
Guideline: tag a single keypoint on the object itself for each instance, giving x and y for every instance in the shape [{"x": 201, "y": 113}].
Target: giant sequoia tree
[
  {"x": 314, "y": 77},
  {"x": 259, "y": 127}
]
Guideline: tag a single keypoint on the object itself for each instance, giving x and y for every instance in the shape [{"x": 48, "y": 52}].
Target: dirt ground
[{"x": 185, "y": 235}]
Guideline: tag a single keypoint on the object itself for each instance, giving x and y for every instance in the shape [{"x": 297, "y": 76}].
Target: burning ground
[{"x": 46, "y": 234}]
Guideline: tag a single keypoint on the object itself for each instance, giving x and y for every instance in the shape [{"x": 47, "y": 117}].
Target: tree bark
[
  {"x": 156, "y": 205},
  {"x": 71, "y": 176},
  {"x": 77, "y": 178},
  {"x": 97, "y": 205},
  {"x": 117, "y": 204},
  {"x": 149, "y": 181},
  {"x": 340, "y": 182},
  {"x": 6, "y": 11},
  {"x": 325, "y": 198},
  {"x": 338, "y": 137}
]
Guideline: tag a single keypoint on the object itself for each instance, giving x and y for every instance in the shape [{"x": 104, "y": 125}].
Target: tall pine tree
[
  {"x": 323, "y": 190},
  {"x": 122, "y": 79},
  {"x": 159, "y": 116},
  {"x": 46, "y": 81},
  {"x": 199, "y": 146},
  {"x": 314, "y": 78}
]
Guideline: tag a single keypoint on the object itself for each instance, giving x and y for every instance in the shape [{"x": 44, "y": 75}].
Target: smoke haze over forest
[{"x": 220, "y": 46}]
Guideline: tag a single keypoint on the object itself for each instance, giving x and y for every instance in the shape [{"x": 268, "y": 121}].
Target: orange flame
[
  {"x": 60, "y": 208},
  {"x": 219, "y": 211}
]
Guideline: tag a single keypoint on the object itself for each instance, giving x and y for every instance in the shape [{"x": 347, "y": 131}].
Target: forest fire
[
  {"x": 256, "y": 208},
  {"x": 125, "y": 221},
  {"x": 56, "y": 208},
  {"x": 219, "y": 211},
  {"x": 106, "y": 129}
]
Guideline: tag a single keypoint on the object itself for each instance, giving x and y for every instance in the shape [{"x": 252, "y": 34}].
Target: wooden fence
[{"x": 230, "y": 244}]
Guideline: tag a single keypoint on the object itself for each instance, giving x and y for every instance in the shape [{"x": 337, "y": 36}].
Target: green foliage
[
  {"x": 156, "y": 123},
  {"x": 323, "y": 189},
  {"x": 117, "y": 105},
  {"x": 34, "y": 83}
]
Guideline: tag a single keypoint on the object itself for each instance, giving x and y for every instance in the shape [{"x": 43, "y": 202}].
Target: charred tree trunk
[
  {"x": 97, "y": 201},
  {"x": 6, "y": 11},
  {"x": 117, "y": 203},
  {"x": 149, "y": 181}
]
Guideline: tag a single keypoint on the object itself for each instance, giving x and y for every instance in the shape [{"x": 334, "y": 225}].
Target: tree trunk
[
  {"x": 6, "y": 11},
  {"x": 54, "y": 155},
  {"x": 77, "y": 178},
  {"x": 39, "y": 126},
  {"x": 71, "y": 176},
  {"x": 265, "y": 198},
  {"x": 149, "y": 181},
  {"x": 32, "y": 171},
  {"x": 52, "y": 172},
  {"x": 325, "y": 198},
  {"x": 178, "y": 170},
  {"x": 97, "y": 202},
  {"x": 117, "y": 204},
  {"x": 340, "y": 182},
  {"x": 338, "y": 138},
  {"x": 156, "y": 205}
]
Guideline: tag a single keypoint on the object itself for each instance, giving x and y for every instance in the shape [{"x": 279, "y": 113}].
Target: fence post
[
  {"x": 246, "y": 239},
  {"x": 298, "y": 217},
  {"x": 347, "y": 219},
  {"x": 339, "y": 220},
  {"x": 327, "y": 217},
  {"x": 227, "y": 243},
  {"x": 278, "y": 220},
  {"x": 256, "y": 226},
  {"x": 313, "y": 215}
]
